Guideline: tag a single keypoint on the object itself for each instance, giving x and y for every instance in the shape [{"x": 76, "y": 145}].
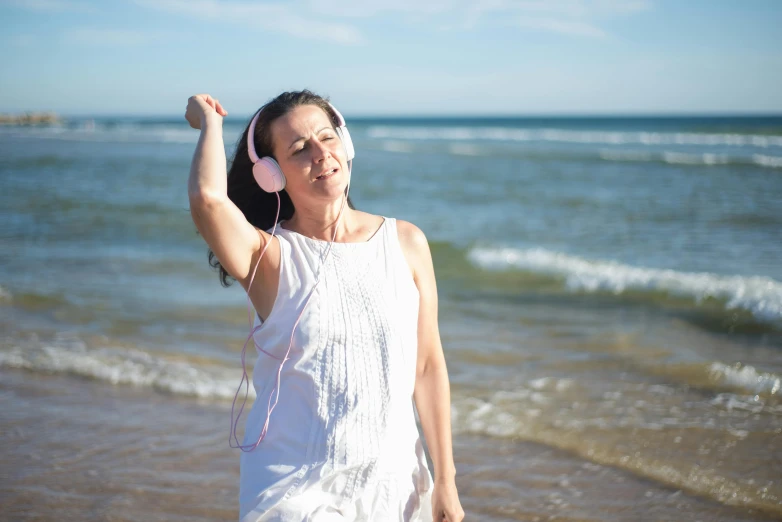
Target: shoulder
[
  {"x": 415, "y": 248},
  {"x": 411, "y": 237}
]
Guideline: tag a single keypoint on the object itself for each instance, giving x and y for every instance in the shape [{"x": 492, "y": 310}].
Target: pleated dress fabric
[{"x": 342, "y": 443}]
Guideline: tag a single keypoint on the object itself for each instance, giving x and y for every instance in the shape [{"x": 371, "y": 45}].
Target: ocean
[{"x": 610, "y": 309}]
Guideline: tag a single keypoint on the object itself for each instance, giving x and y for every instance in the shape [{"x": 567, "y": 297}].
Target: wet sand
[{"x": 76, "y": 449}]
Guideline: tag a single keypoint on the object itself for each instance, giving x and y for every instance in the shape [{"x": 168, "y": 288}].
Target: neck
[{"x": 319, "y": 222}]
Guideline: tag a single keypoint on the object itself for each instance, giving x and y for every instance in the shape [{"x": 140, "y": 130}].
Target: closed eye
[{"x": 327, "y": 137}]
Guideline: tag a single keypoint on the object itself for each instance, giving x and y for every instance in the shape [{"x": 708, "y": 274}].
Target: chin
[{"x": 331, "y": 189}]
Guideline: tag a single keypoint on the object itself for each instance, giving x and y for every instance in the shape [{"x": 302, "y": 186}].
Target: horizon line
[{"x": 444, "y": 116}]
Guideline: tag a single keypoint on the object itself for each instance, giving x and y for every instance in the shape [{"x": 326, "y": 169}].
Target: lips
[{"x": 327, "y": 174}]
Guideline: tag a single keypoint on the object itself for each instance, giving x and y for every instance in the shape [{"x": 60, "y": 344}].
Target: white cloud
[
  {"x": 119, "y": 37},
  {"x": 22, "y": 40},
  {"x": 562, "y": 26},
  {"x": 368, "y": 8},
  {"x": 570, "y": 8},
  {"x": 278, "y": 17},
  {"x": 52, "y": 6},
  {"x": 623, "y": 6},
  {"x": 570, "y": 17},
  {"x": 325, "y": 20}
]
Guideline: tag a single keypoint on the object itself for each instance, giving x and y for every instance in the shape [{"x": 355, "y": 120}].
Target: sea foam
[
  {"x": 746, "y": 378},
  {"x": 128, "y": 366},
  {"x": 762, "y": 296},
  {"x": 572, "y": 136}
]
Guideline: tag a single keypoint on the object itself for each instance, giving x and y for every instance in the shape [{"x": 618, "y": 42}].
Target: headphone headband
[
  {"x": 340, "y": 119},
  {"x": 251, "y": 132},
  {"x": 250, "y": 138}
]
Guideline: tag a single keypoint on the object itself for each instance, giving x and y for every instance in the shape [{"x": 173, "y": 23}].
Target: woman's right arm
[{"x": 225, "y": 229}]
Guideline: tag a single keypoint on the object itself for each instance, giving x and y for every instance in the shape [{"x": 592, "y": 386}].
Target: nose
[{"x": 319, "y": 151}]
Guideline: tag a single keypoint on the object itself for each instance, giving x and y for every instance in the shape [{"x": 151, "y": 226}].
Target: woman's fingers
[
  {"x": 453, "y": 514},
  {"x": 219, "y": 108},
  {"x": 199, "y": 105},
  {"x": 215, "y": 104}
]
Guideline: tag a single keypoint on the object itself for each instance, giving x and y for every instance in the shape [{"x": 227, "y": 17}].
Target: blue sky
[{"x": 410, "y": 57}]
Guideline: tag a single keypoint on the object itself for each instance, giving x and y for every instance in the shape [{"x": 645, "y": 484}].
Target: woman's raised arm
[{"x": 225, "y": 229}]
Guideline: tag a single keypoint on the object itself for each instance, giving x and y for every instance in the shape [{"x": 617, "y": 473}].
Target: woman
[{"x": 346, "y": 326}]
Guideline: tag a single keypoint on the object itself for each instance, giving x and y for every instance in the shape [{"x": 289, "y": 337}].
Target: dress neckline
[{"x": 323, "y": 241}]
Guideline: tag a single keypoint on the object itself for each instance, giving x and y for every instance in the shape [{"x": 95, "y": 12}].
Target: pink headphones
[{"x": 267, "y": 171}]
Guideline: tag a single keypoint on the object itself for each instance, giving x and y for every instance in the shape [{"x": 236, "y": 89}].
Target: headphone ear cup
[
  {"x": 268, "y": 175},
  {"x": 347, "y": 142}
]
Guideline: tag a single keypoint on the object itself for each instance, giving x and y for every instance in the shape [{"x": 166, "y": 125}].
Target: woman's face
[{"x": 310, "y": 154}]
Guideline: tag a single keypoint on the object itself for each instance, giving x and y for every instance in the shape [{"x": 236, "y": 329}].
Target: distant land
[{"x": 30, "y": 118}]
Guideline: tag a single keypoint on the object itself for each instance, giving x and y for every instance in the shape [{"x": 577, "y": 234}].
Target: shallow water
[
  {"x": 83, "y": 450},
  {"x": 610, "y": 306}
]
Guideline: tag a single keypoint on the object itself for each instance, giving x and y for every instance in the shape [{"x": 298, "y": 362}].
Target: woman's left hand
[{"x": 445, "y": 502}]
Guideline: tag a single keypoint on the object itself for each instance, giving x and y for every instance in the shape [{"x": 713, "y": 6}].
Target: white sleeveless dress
[{"x": 342, "y": 443}]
